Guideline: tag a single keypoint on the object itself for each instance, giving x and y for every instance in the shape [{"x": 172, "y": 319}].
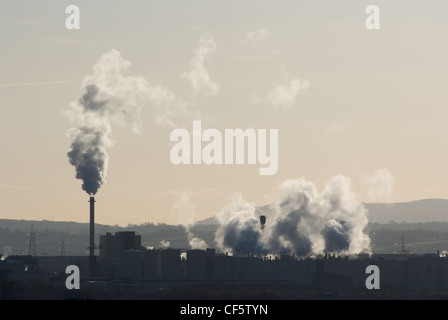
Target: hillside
[
  {"x": 415, "y": 211},
  {"x": 425, "y": 210},
  {"x": 423, "y": 224}
]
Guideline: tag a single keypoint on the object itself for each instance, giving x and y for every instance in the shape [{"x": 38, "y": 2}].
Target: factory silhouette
[{"x": 125, "y": 269}]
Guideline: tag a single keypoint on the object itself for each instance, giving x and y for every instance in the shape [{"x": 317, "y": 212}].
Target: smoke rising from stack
[
  {"x": 380, "y": 185},
  {"x": 109, "y": 97},
  {"x": 301, "y": 221},
  {"x": 184, "y": 211},
  {"x": 7, "y": 251},
  {"x": 239, "y": 228},
  {"x": 164, "y": 244}
]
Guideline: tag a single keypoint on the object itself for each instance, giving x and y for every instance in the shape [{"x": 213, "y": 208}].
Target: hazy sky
[{"x": 368, "y": 104}]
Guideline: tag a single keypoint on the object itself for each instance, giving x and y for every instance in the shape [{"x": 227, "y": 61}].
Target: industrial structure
[
  {"x": 92, "y": 258},
  {"x": 111, "y": 246},
  {"x": 262, "y": 221},
  {"x": 123, "y": 264}
]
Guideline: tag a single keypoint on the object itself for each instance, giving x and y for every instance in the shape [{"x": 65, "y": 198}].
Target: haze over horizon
[
  {"x": 417, "y": 211},
  {"x": 369, "y": 105}
]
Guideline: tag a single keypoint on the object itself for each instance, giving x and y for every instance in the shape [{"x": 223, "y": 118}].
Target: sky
[{"x": 370, "y": 105}]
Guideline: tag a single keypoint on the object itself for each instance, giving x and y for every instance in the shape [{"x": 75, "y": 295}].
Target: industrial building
[
  {"x": 123, "y": 262},
  {"x": 399, "y": 272},
  {"x": 111, "y": 246}
]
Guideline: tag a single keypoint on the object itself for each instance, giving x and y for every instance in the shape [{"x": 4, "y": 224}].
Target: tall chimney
[{"x": 92, "y": 237}]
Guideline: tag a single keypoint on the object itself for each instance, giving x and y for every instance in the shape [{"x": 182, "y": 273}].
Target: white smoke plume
[
  {"x": 302, "y": 222},
  {"x": 196, "y": 243},
  {"x": 7, "y": 251},
  {"x": 285, "y": 93},
  {"x": 380, "y": 185},
  {"x": 198, "y": 76},
  {"x": 184, "y": 210},
  {"x": 168, "y": 109},
  {"x": 108, "y": 97},
  {"x": 239, "y": 229},
  {"x": 257, "y": 36},
  {"x": 165, "y": 244}
]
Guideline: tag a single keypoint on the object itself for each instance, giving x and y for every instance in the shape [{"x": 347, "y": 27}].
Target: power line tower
[{"x": 32, "y": 245}]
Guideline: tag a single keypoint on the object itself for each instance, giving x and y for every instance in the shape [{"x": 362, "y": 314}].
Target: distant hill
[
  {"x": 208, "y": 221},
  {"x": 426, "y": 210},
  {"x": 67, "y": 227},
  {"x": 426, "y": 230}
]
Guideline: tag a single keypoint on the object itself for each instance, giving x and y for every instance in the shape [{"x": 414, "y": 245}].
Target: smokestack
[
  {"x": 92, "y": 236},
  {"x": 262, "y": 221},
  {"x": 109, "y": 97}
]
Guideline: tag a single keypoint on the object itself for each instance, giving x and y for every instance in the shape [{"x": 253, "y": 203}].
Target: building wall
[
  {"x": 111, "y": 246},
  {"x": 58, "y": 264},
  {"x": 130, "y": 264},
  {"x": 404, "y": 273},
  {"x": 170, "y": 267},
  {"x": 221, "y": 267},
  {"x": 196, "y": 264},
  {"x": 151, "y": 262},
  {"x": 428, "y": 274}
]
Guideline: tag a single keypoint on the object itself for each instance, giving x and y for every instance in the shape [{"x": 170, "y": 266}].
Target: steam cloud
[
  {"x": 285, "y": 93},
  {"x": 255, "y": 37},
  {"x": 108, "y": 97},
  {"x": 302, "y": 222},
  {"x": 7, "y": 251},
  {"x": 198, "y": 76},
  {"x": 184, "y": 210},
  {"x": 164, "y": 244},
  {"x": 380, "y": 185}
]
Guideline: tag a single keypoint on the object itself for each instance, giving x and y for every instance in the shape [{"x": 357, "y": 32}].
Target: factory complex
[{"x": 124, "y": 266}]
